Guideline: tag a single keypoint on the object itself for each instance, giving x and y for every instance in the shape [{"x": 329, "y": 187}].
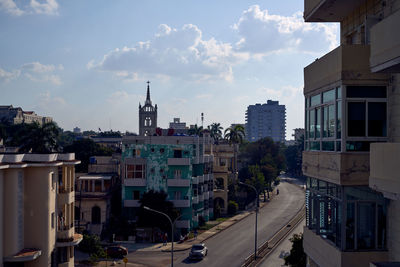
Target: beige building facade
[
  {"x": 17, "y": 115},
  {"x": 37, "y": 210},
  {"x": 352, "y": 141}
]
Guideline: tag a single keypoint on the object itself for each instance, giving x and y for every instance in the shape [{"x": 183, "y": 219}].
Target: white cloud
[
  {"x": 10, "y": 7},
  {"x": 34, "y": 71},
  {"x": 7, "y": 76},
  {"x": 204, "y": 96},
  {"x": 264, "y": 33},
  {"x": 16, "y": 8},
  {"x": 49, "y": 7},
  {"x": 173, "y": 52}
]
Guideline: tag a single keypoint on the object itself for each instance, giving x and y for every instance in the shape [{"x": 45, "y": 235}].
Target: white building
[{"x": 266, "y": 120}]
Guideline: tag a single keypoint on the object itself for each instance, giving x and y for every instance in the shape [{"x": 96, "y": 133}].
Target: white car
[{"x": 198, "y": 251}]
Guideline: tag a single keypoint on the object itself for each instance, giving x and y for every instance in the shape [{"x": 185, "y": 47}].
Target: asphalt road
[{"x": 232, "y": 246}]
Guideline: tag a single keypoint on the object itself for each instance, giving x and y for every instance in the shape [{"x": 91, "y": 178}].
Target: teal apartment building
[{"x": 176, "y": 165}]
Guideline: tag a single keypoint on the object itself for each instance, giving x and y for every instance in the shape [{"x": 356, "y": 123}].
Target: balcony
[
  {"x": 317, "y": 249},
  {"x": 178, "y": 182},
  {"x": 134, "y": 182},
  {"x": 384, "y": 174},
  {"x": 347, "y": 64},
  {"x": 217, "y": 168},
  {"x": 65, "y": 234},
  {"x": 338, "y": 168},
  {"x": 181, "y": 203},
  {"x": 179, "y": 161},
  {"x": 195, "y": 200},
  {"x": 328, "y": 10},
  {"x": 73, "y": 241},
  {"x": 195, "y": 180},
  {"x": 201, "y": 197},
  {"x": 130, "y": 203},
  {"x": 65, "y": 197},
  {"x": 201, "y": 179},
  {"x": 182, "y": 224},
  {"x": 206, "y": 177},
  {"x": 211, "y": 194},
  {"x": 385, "y": 45},
  {"x": 206, "y": 195}
]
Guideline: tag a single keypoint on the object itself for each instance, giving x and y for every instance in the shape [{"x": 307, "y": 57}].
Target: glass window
[
  {"x": 377, "y": 119},
  {"x": 328, "y": 145},
  {"x": 339, "y": 92},
  {"x": 328, "y": 121},
  {"x": 312, "y": 123},
  {"x": 318, "y": 123},
  {"x": 366, "y": 91},
  {"x": 339, "y": 119},
  {"x": 315, "y": 146},
  {"x": 328, "y": 96},
  {"x": 357, "y": 145},
  {"x": 315, "y": 100},
  {"x": 356, "y": 119},
  {"x": 365, "y": 225},
  {"x": 350, "y": 230},
  {"x": 338, "y": 146}
]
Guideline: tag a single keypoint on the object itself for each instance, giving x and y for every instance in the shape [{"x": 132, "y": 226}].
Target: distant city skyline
[{"x": 86, "y": 63}]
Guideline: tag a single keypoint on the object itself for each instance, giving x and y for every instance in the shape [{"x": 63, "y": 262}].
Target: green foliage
[
  {"x": 293, "y": 155},
  {"x": 196, "y": 130},
  {"x": 297, "y": 257},
  {"x": 234, "y": 135},
  {"x": 84, "y": 149},
  {"x": 215, "y": 131},
  {"x": 31, "y": 137},
  {"x": 233, "y": 207},
  {"x": 91, "y": 244},
  {"x": 157, "y": 201},
  {"x": 109, "y": 134}
]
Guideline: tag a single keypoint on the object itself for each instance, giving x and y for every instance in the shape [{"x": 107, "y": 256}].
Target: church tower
[{"x": 147, "y": 116}]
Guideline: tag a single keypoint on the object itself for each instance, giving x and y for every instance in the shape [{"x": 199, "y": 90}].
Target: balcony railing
[
  {"x": 182, "y": 224},
  {"x": 131, "y": 203},
  {"x": 195, "y": 200},
  {"x": 179, "y": 161},
  {"x": 385, "y": 46},
  {"x": 181, "y": 203},
  {"x": 178, "y": 182},
  {"x": 134, "y": 182}
]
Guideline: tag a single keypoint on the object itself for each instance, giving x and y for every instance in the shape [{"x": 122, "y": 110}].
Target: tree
[
  {"x": 297, "y": 257},
  {"x": 84, "y": 149},
  {"x": 232, "y": 207},
  {"x": 215, "y": 131},
  {"x": 40, "y": 138},
  {"x": 234, "y": 135},
  {"x": 293, "y": 155},
  {"x": 196, "y": 130},
  {"x": 158, "y": 201}
]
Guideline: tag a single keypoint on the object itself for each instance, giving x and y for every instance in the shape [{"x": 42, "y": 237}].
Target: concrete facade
[
  {"x": 352, "y": 137},
  {"x": 36, "y": 210},
  {"x": 17, "y": 115},
  {"x": 266, "y": 120},
  {"x": 176, "y": 165}
]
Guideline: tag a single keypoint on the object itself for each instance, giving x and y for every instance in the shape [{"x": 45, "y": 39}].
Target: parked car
[
  {"x": 198, "y": 252},
  {"x": 116, "y": 251}
]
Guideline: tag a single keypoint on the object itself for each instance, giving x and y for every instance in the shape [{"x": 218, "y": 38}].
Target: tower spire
[{"x": 148, "y": 101}]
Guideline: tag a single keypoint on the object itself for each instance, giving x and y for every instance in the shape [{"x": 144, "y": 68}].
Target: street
[{"x": 231, "y": 246}]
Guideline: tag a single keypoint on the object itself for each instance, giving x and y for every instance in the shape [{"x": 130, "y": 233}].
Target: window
[
  {"x": 53, "y": 215},
  {"x": 177, "y": 195},
  {"x": 177, "y": 153},
  {"x": 177, "y": 174},
  {"x": 53, "y": 181},
  {"x": 136, "y": 195},
  {"x": 356, "y": 211},
  {"x": 136, "y": 171}
]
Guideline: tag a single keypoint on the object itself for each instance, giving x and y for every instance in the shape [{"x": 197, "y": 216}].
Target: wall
[{"x": 393, "y": 237}]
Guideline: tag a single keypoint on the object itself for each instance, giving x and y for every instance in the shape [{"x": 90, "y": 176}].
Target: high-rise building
[
  {"x": 352, "y": 142},
  {"x": 147, "y": 116},
  {"x": 37, "y": 210},
  {"x": 266, "y": 120},
  {"x": 176, "y": 165}
]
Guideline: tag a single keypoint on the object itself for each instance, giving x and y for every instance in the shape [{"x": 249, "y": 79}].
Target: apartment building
[
  {"x": 352, "y": 138},
  {"x": 17, "y": 115},
  {"x": 176, "y": 165},
  {"x": 266, "y": 120},
  {"x": 37, "y": 210},
  {"x": 223, "y": 172},
  {"x": 94, "y": 191}
]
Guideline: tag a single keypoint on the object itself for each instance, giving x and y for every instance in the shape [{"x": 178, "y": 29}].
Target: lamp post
[
  {"x": 257, "y": 201},
  {"x": 172, "y": 230}
]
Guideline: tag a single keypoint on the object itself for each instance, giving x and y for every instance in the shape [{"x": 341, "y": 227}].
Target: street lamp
[
  {"x": 172, "y": 230},
  {"x": 257, "y": 201}
]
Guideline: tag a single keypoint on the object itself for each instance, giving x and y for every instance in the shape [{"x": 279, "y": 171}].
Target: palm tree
[
  {"x": 235, "y": 136},
  {"x": 196, "y": 130},
  {"x": 215, "y": 131}
]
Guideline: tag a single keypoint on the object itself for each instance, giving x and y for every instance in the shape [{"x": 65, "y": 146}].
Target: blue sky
[{"x": 86, "y": 63}]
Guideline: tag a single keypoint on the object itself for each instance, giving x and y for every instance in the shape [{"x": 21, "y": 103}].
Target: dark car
[
  {"x": 198, "y": 252},
  {"x": 116, "y": 251}
]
